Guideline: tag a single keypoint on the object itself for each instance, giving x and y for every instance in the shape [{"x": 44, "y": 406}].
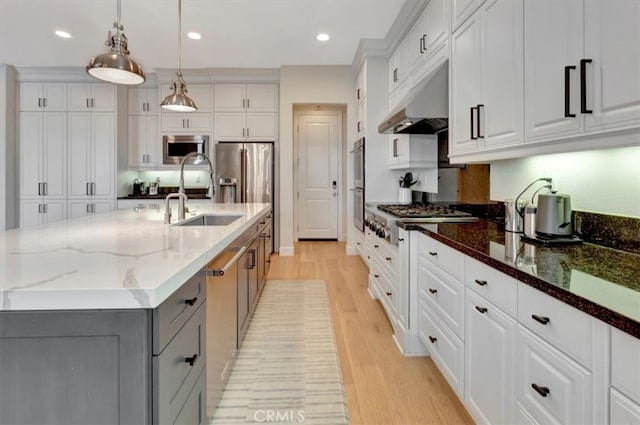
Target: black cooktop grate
[{"x": 421, "y": 211}]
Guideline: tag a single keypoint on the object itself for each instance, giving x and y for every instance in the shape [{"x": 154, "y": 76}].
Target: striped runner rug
[{"x": 287, "y": 370}]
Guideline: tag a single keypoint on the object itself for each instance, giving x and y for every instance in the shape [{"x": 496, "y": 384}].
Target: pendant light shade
[
  {"x": 115, "y": 66},
  {"x": 178, "y": 101}
]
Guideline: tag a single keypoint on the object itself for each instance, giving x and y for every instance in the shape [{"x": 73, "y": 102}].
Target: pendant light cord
[
  {"x": 179, "y": 34},
  {"x": 118, "y": 12}
]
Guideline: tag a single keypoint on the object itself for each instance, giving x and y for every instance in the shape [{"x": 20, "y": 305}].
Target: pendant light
[
  {"x": 178, "y": 101},
  {"x": 115, "y": 66}
]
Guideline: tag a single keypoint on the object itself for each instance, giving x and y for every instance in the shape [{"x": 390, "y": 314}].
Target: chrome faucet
[
  {"x": 167, "y": 209},
  {"x": 181, "y": 195}
]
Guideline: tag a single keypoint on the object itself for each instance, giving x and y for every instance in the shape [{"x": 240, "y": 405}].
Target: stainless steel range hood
[{"x": 424, "y": 110}]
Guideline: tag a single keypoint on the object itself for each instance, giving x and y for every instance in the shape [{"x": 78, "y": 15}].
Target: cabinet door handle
[
  {"x": 433, "y": 254},
  {"x": 388, "y": 294},
  {"x": 567, "y": 91},
  {"x": 39, "y": 208},
  {"x": 400, "y": 239},
  {"x": 191, "y": 360},
  {"x": 424, "y": 43},
  {"x": 87, "y": 99},
  {"x": 88, "y": 208},
  {"x": 45, "y": 189},
  {"x": 395, "y": 75},
  {"x": 248, "y": 104},
  {"x": 481, "y": 282},
  {"x": 433, "y": 291},
  {"x": 583, "y": 86},
  {"x": 44, "y": 208},
  {"x": 93, "y": 188},
  {"x": 88, "y": 188},
  {"x": 39, "y": 189},
  {"x": 432, "y": 339},
  {"x": 93, "y": 208},
  {"x": 472, "y": 126},
  {"x": 395, "y": 147},
  {"x": 93, "y": 102},
  {"x": 358, "y": 94},
  {"x": 243, "y": 103},
  {"x": 253, "y": 259},
  {"x": 243, "y": 132},
  {"x": 482, "y": 310},
  {"x": 44, "y": 103},
  {"x": 39, "y": 102},
  {"x": 421, "y": 40},
  {"x": 540, "y": 319},
  {"x": 480, "y": 136},
  {"x": 543, "y": 391},
  {"x": 191, "y": 301},
  {"x": 247, "y": 128}
]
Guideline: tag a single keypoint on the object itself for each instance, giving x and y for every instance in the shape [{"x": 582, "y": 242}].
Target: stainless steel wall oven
[{"x": 358, "y": 184}]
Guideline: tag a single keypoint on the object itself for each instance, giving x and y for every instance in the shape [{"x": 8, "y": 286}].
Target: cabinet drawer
[
  {"x": 446, "y": 350},
  {"x": 496, "y": 287},
  {"x": 178, "y": 367},
  {"x": 566, "y": 328},
  {"x": 564, "y": 394},
  {"x": 388, "y": 293},
  {"x": 174, "y": 312},
  {"x": 448, "y": 259},
  {"x": 388, "y": 256},
  {"x": 625, "y": 364},
  {"x": 444, "y": 295},
  {"x": 623, "y": 411},
  {"x": 194, "y": 410}
]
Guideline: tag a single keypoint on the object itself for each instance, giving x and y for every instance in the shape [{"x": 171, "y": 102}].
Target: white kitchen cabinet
[
  {"x": 361, "y": 124},
  {"x": 190, "y": 122},
  {"x": 143, "y": 101},
  {"x": 429, "y": 31},
  {"x": 33, "y": 213},
  {"x": 43, "y": 97},
  {"x": 83, "y": 208},
  {"x": 623, "y": 411},
  {"x": 94, "y": 97},
  {"x": 202, "y": 95},
  {"x": 550, "y": 386},
  {"x": 246, "y": 97},
  {"x": 240, "y": 126},
  {"x": 412, "y": 151},
  {"x": 461, "y": 10},
  {"x": 465, "y": 87},
  {"x": 490, "y": 350},
  {"x": 92, "y": 146},
  {"x": 398, "y": 66},
  {"x": 612, "y": 44},
  {"x": 145, "y": 143},
  {"x": 487, "y": 78},
  {"x": 581, "y": 72},
  {"x": 625, "y": 368},
  {"x": 361, "y": 85},
  {"x": 43, "y": 155}
]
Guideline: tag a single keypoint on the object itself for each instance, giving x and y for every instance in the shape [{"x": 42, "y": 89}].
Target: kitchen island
[{"x": 102, "y": 318}]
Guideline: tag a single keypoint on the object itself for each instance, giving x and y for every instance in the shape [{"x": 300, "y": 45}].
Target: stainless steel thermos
[{"x": 513, "y": 215}]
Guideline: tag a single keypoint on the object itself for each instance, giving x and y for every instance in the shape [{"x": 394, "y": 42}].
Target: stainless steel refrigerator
[{"x": 244, "y": 172}]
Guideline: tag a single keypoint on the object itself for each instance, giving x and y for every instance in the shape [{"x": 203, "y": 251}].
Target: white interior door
[{"x": 318, "y": 176}]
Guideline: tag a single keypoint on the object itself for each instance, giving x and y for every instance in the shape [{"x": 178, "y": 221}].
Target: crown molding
[
  {"x": 69, "y": 74},
  {"x": 369, "y": 48},
  {"x": 213, "y": 75}
]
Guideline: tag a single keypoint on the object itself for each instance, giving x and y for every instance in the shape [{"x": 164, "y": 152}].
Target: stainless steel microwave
[{"x": 175, "y": 148}]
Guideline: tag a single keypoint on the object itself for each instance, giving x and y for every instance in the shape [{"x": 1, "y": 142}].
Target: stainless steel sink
[{"x": 209, "y": 220}]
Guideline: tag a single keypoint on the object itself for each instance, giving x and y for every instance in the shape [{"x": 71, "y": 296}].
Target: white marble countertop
[{"x": 119, "y": 260}]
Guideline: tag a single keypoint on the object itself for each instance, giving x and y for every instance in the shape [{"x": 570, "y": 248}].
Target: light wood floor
[{"x": 381, "y": 385}]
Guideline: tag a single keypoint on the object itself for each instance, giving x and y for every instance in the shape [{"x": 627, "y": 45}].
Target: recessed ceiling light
[
  {"x": 63, "y": 34},
  {"x": 194, "y": 36},
  {"x": 323, "y": 37}
]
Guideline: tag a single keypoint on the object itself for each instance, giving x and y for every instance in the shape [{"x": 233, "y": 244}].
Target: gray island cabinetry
[
  {"x": 106, "y": 366},
  {"x": 103, "y": 318}
]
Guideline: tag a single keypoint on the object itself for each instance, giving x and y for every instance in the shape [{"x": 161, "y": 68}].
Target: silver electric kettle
[{"x": 553, "y": 218}]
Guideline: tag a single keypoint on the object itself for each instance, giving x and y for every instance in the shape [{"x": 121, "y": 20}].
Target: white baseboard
[
  {"x": 286, "y": 251},
  {"x": 351, "y": 250}
]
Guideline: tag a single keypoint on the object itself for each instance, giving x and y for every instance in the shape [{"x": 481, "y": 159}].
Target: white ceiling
[{"x": 235, "y": 33}]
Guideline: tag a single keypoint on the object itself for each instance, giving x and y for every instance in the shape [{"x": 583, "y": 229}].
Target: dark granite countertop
[{"x": 600, "y": 281}]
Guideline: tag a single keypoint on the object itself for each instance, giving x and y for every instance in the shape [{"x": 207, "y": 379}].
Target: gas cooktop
[{"x": 405, "y": 211}]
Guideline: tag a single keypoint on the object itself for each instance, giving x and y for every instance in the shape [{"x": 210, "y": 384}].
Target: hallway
[{"x": 382, "y": 386}]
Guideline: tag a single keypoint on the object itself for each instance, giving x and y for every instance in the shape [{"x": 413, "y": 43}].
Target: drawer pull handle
[
  {"x": 388, "y": 294},
  {"x": 400, "y": 239},
  {"x": 433, "y": 291},
  {"x": 191, "y": 360},
  {"x": 540, "y": 319},
  {"x": 192, "y": 301},
  {"x": 543, "y": 391},
  {"x": 433, "y": 253},
  {"x": 387, "y": 258},
  {"x": 376, "y": 276},
  {"x": 432, "y": 339},
  {"x": 482, "y": 310},
  {"x": 357, "y": 243},
  {"x": 481, "y": 282},
  {"x": 376, "y": 246}
]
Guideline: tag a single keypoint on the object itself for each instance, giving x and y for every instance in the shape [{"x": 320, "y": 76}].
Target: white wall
[
  {"x": 603, "y": 181},
  {"x": 307, "y": 85},
  {"x": 8, "y": 148}
]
